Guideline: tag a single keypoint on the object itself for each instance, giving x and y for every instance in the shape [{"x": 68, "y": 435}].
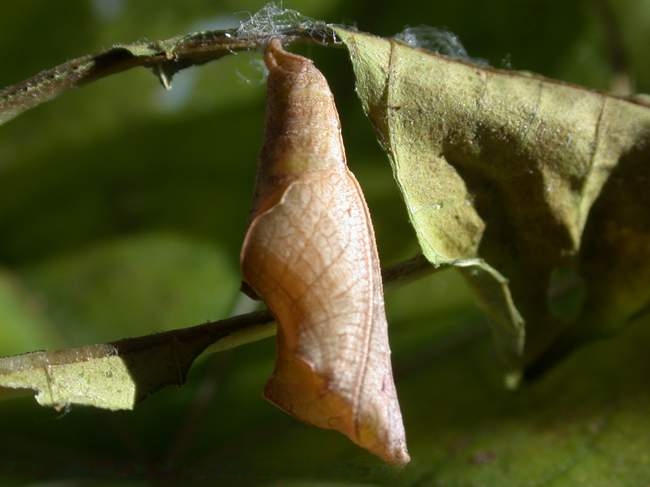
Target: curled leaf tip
[{"x": 310, "y": 253}]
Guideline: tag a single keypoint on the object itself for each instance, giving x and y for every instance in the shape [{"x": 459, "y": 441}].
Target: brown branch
[
  {"x": 216, "y": 331},
  {"x": 117, "y": 375},
  {"x": 165, "y": 58},
  {"x": 219, "y": 330},
  {"x": 408, "y": 270}
]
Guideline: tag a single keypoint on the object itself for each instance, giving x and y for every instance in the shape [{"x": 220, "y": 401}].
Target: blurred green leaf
[
  {"x": 149, "y": 282},
  {"x": 23, "y": 323}
]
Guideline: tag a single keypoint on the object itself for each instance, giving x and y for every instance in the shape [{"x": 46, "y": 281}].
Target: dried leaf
[
  {"x": 310, "y": 254},
  {"x": 120, "y": 374},
  {"x": 507, "y": 166}
]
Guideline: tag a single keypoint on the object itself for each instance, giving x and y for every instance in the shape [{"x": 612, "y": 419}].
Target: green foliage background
[{"x": 122, "y": 209}]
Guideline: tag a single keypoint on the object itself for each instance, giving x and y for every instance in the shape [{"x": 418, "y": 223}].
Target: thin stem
[
  {"x": 409, "y": 270},
  {"x": 250, "y": 327},
  {"x": 26, "y": 371},
  {"x": 165, "y": 58}
]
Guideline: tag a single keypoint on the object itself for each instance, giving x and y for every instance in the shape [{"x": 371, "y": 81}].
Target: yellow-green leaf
[
  {"x": 507, "y": 166},
  {"x": 118, "y": 375}
]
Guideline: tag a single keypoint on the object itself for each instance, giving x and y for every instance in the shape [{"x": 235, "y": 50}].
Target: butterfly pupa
[{"x": 310, "y": 254}]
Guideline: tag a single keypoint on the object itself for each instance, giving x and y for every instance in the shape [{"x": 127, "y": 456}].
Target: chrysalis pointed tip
[
  {"x": 276, "y": 57},
  {"x": 400, "y": 457}
]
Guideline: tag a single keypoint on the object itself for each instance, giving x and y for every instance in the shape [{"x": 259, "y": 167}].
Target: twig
[
  {"x": 249, "y": 327},
  {"x": 221, "y": 334},
  {"x": 119, "y": 374},
  {"x": 165, "y": 58},
  {"x": 408, "y": 270}
]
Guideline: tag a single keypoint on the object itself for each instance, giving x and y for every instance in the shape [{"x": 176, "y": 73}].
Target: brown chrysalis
[{"x": 310, "y": 254}]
